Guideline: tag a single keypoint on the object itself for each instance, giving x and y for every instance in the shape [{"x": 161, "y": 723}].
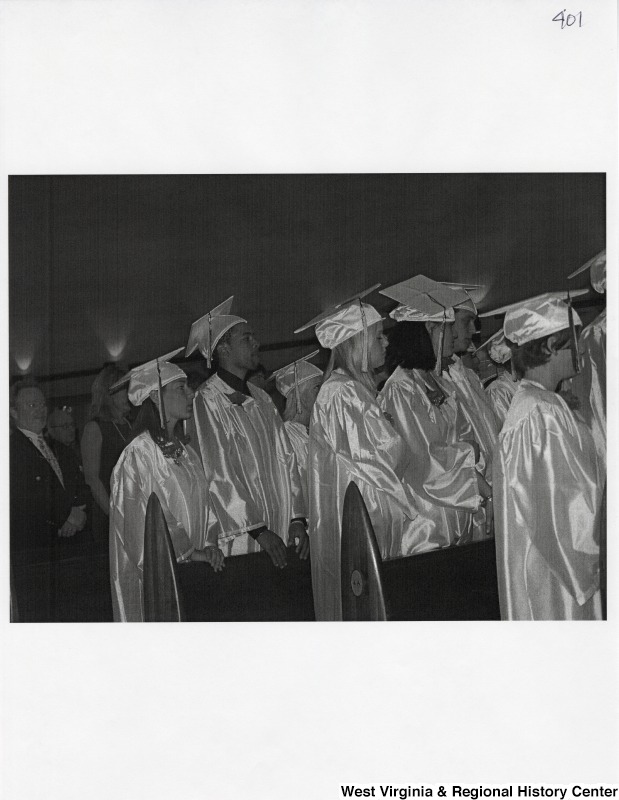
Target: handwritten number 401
[{"x": 567, "y": 20}]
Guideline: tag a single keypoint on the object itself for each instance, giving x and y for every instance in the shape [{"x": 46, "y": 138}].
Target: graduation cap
[
  {"x": 344, "y": 320},
  {"x": 206, "y": 332},
  {"x": 291, "y": 376},
  {"x": 597, "y": 272},
  {"x": 539, "y": 298},
  {"x": 475, "y": 293},
  {"x": 424, "y": 300},
  {"x": 124, "y": 381},
  {"x": 541, "y": 316},
  {"x": 151, "y": 376}
]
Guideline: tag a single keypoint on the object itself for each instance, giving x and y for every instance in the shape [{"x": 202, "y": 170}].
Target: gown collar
[
  {"x": 533, "y": 383},
  {"x": 234, "y": 382}
]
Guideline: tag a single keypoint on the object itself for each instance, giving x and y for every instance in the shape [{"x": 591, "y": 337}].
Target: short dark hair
[
  {"x": 225, "y": 339},
  {"x": 410, "y": 346},
  {"x": 535, "y": 353},
  {"x": 18, "y": 386}
]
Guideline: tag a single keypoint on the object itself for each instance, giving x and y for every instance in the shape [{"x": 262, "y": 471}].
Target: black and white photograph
[
  {"x": 306, "y": 324},
  {"x": 210, "y": 340}
]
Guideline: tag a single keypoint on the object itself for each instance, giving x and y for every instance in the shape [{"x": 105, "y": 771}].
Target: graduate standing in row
[
  {"x": 589, "y": 385},
  {"x": 468, "y": 387},
  {"x": 248, "y": 460},
  {"x": 548, "y": 479},
  {"x": 350, "y": 439},
  {"x": 502, "y": 390},
  {"x": 157, "y": 460},
  {"x": 450, "y": 490}
]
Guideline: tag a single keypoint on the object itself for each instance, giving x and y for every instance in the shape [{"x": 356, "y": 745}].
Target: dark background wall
[{"x": 117, "y": 267}]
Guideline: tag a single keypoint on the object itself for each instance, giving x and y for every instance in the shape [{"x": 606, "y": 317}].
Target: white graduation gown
[
  {"x": 500, "y": 393},
  {"x": 476, "y": 408},
  {"x": 590, "y": 384},
  {"x": 442, "y": 470},
  {"x": 181, "y": 488},
  {"x": 547, "y": 495},
  {"x": 298, "y": 435},
  {"x": 350, "y": 439},
  {"x": 250, "y": 465}
]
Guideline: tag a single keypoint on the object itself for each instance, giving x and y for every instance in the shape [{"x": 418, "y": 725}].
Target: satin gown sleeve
[
  {"x": 291, "y": 458},
  {"x": 500, "y": 393},
  {"x": 548, "y": 492},
  {"x": 476, "y": 408},
  {"x": 443, "y": 469},
  {"x": 590, "y": 385},
  {"x": 358, "y": 433},
  {"x": 298, "y": 436}
]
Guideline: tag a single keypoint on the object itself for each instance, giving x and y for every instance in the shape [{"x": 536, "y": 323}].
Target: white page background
[{"x": 291, "y": 710}]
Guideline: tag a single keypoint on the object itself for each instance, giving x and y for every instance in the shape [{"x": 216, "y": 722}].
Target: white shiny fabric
[
  {"x": 405, "y": 313},
  {"x": 299, "y": 439},
  {"x": 598, "y": 273},
  {"x": 547, "y": 495},
  {"x": 476, "y": 408},
  {"x": 346, "y": 322},
  {"x": 296, "y": 374},
  {"x": 590, "y": 384},
  {"x": 250, "y": 466},
  {"x": 498, "y": 350},
  {"x": 537, "y": 317},
  {"x": 181, "y": 488},
  {"x": 145, "y": 380},
  {"x": 350, "y": 439},
  {"x": 500, "y": 392},
  {"x": 442, "y": 469}
]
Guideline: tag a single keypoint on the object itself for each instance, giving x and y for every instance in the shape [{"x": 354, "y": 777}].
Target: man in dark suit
[{"x": 48, "y": 498}]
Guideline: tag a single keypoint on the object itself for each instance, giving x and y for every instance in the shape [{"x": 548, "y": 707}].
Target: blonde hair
[{"x": 348, "y": 356}]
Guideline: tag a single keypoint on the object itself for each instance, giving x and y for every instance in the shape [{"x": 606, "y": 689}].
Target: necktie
[{"x": 51, "y": 458}]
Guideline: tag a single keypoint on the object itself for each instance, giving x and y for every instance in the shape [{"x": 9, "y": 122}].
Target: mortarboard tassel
[
  {"x": 162, "y": 418},
  {"x": 208, "y": 344},
  {"x": 439, "y": 354},
  {"x": 573, "y": 340},
  {"x": 364, "y": 362},
  {"x": 296, "y": 388}
]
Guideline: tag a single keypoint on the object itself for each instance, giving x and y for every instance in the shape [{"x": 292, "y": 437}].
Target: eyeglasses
[
  {"x": 66, "y": 426},
  {"x": 37, "y": 404}
]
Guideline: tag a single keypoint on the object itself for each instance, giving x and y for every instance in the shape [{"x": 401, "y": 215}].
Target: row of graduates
[{"x": 421, "y": 451}]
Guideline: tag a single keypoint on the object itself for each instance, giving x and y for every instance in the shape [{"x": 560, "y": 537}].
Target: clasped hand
[
  {"x": 212, "y": 555},
  {"x": 75, "y": 522}
]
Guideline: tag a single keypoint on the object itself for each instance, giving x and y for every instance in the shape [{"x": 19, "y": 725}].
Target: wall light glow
[
  {"x": 24, "y": 362},
  {"x": 25, "y": 343},
  {"x": 112, "y": 328},
  {"x": 115, "y": 346}
]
